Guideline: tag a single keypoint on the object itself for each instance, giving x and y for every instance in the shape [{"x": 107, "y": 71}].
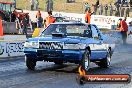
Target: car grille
[{"x": 51, "y": 45}]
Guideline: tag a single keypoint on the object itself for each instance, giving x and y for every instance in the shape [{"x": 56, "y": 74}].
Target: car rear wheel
[
  {"x": 105, "y": 63},
  {"x": 86, "y": 60},
  {"x": 30, "y": 63}
]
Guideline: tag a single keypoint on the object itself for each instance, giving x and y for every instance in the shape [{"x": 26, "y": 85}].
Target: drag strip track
[{"x": 14, "y": 73}]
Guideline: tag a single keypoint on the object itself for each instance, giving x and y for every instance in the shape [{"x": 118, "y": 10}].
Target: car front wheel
[
  {"x": 86, "y": 60},
  {"x": 30, "y": 63}
]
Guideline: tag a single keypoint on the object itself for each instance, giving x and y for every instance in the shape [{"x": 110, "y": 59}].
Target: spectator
[
  {"x": 39, "y": 19},
  {"x": 13, "y": 16},
  {"x": 127, "y": 12},
  {"x": 37, "y": 4},
  {"x": 88, "y": 16},
  {"x": 49, "y": 19},
  {"x": 87, "y": 7},
  {"x": 106, "y": 9},
  {"x": 25, "y": 23},
  {"x": 130, "y": 28},
  {"x": 113, "y": 25},
  {"x": 111, "y": 10},
  {"x": 123, "y": 29},
  {"x": 119, "y": 24},
  {"x": 97, "y": 4},
  {"x": 32, "y": 4},
  {"x": 117, "y": 10},
  {"x": 14, "y": 2},
  {"x": 100, "y": 9},
  {"x": 122, "y": 12},
  {"x": 40, "y": 22},
  {"x": 49, "y": 5},
  {"x": 94, "y": 8},
  {"x": 38, "y": 14}
]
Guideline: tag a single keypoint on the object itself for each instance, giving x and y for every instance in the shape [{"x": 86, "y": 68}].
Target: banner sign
[
  {"x": 99, "y": 20},
  {"x": 103, "y": 21},
  {"x": 9, "y": 49}
]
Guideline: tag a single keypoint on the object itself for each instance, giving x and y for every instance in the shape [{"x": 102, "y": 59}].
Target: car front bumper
[{"x": 54, "y": 55}]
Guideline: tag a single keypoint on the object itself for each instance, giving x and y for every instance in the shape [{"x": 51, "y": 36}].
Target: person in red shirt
[
  {"x": 88, "y": 16},
  {"x": 123, "y": 29},
  {"x": 50, "y": 19}
]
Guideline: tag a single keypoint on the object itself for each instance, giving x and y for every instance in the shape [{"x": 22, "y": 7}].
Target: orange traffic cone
[{"x": 1, "y": 27}]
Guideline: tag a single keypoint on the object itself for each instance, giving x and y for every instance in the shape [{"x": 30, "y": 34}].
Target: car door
[{"x": 98, "y": 48}]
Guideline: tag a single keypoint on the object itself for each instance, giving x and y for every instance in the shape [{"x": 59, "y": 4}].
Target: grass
[{"x": 61, "y": 5}]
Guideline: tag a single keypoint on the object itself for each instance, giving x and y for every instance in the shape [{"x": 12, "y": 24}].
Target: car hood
[{"x": 71, "y": 40}]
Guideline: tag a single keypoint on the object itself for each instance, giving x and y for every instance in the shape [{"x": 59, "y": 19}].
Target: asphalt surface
[{"x": 14, "y": 73}]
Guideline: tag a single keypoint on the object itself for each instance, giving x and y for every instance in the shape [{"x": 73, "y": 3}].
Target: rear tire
[
  {"x": 105, "y": 63},
  {"x": 30, "y": 63},
  {"x": 85, "y": 60}
]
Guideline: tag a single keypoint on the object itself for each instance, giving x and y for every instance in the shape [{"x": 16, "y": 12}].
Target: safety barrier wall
[
  {"x": 9, "y": 27},
  {"x": 100, "y": 20},
  {"x": 11, "y": 48}
]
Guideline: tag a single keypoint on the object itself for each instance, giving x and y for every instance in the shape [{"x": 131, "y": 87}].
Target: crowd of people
[
  {"x": 116, "y": 9},
  {"x": 35, "y": 5},
  {"x": 119, "y": 8},
  {"x": 44, "y": 22}
]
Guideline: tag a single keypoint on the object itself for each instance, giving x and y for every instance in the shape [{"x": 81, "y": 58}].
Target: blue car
[{"x": 72, "y": 42}]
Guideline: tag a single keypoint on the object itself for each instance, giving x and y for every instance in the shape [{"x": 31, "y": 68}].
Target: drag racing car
[{"x": 72, "y": 42}]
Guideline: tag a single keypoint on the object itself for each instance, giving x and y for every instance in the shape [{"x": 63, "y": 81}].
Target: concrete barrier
[
  {"x": 11, "y": 49},
  {"x": 9, "y": 27}
]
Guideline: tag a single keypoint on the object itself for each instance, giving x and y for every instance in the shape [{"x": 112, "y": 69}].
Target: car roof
[
  {"x": 58, "y": 17},
  {"x": 67, "y": 23},
  {"x": 76, "y": 23}
]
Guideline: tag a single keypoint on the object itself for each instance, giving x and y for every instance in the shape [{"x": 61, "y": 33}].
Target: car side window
[
  {"x": 87, "y": 32},
  {"x": 94, "y": 32},
  {"x": 99, "y": 32}
]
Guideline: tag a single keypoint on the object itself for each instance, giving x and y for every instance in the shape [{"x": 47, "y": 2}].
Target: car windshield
[{"x": 80, "y": 30}]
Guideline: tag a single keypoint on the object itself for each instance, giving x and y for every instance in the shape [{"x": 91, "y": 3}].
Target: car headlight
[
  {"x": 31, "y": 44},
  {"x": 74, "y": 46}
]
